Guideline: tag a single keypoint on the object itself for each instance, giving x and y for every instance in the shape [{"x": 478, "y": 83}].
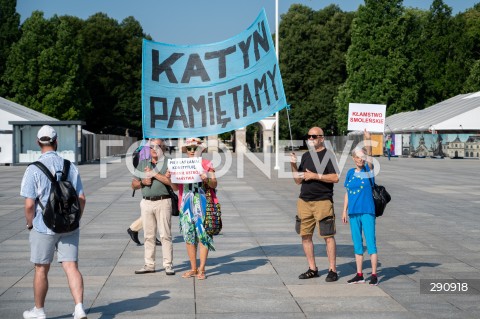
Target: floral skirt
[{"x": 192, "y": 215}]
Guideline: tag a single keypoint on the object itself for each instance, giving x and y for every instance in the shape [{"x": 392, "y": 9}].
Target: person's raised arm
[
  {"x": 174, "y": 186},
  {"x": 297, "y": 176},
  {"x": 367, "y": 141}
]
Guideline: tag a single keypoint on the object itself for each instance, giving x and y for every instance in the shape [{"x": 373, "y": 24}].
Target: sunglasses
[
  {"x": 156, "y": 147},
  {"x": 314, "y": 136},
  {"x": 191, "y": 148}
]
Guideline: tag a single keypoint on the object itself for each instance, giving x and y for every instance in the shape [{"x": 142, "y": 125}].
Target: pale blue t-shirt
[{"x": 35, "y": 184}]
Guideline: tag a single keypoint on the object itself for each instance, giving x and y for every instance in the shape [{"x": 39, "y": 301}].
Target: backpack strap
[
  {"x": 47, "y": 173},
  {"x": 45, "y": 170},
  {"x": 370, "y": 175},
  {"x": 66, "y": 169}
]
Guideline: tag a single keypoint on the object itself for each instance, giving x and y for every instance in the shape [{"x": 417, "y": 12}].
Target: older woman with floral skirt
[{"x": 193, "y": 203}]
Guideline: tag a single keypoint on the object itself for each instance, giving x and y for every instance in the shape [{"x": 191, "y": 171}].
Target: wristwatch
[{"x": 29, "y": 227}]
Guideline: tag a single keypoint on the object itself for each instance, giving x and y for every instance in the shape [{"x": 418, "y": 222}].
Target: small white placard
[
  {"x": 185, "y": 170},
  {"x": 366, "y": 116}
]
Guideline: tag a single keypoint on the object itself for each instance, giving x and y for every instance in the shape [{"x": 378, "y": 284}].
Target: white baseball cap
[{"x": 46, "y": 134}]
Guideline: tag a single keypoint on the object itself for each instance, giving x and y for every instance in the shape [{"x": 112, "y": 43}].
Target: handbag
[
  {"x": 380, "y": 198},
  {"x": 174, "y": 197},
  {"x": 213, "y": 214}
]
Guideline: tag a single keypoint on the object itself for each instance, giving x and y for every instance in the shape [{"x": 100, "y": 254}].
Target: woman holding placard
[{"x": 193, "y": 201}]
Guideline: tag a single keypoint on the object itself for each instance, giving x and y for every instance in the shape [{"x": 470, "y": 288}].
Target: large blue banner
[{"x": 201, "y": 90}]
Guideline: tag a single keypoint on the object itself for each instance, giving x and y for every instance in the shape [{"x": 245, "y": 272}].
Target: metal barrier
[{"x": 91, "y": 146}]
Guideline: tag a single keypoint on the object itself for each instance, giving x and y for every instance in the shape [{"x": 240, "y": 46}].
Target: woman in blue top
[{"x": 361, "y": 209}]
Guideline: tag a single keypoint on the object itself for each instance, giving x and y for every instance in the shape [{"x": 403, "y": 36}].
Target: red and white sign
[
  {"x": 366, "y": 116},
  {"x": 185, "y": 170}
]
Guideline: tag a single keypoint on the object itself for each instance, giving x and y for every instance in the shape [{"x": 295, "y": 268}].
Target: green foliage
[
  {"x": 69, "y": 69},
  {"x": 471, "y": 35},
  {"x": 408, "y": 59},
  {"x": 472, "y": 84},
  {"x": 312, "y": 60},
  {"x": 43, "y": 69},
  {"x": 226, "y": 136},
  {"x": 436, "y": 53},
  {"x": 9, "y": 34},
  {"x": 112, "y": 62},
  {"x": 381, "y": 62}
]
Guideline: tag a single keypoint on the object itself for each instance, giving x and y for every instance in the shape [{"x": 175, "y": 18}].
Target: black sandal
[{"x": 309, "y": 274}]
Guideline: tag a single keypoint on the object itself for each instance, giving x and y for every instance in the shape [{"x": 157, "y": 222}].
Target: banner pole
[
  {"x": 289, "y": 128},
  {"x": 277, "y": 51}
]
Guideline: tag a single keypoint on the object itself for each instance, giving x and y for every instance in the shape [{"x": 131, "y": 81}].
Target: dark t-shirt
[{"x": 317, "y": 190}]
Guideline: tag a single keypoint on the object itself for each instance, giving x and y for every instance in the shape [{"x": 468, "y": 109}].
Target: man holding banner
[{"x": 316, "y": 175}]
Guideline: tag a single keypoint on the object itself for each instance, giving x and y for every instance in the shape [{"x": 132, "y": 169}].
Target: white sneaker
[
  {"x": 79, "y": 314},
  {"x": 169, "y": 271},
  {"x": 34, "y": 313}
]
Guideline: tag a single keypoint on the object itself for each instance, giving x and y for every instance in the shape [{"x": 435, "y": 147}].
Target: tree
[
  {"x": 312, "y": 61},
  {"x": 439, "y": 36},
  {"x": 472, "y": 36},
  {"x": 112, "y": 64},
  {"x": 379, "y": 68},
  {"x": 22, "y": 69},
  {"x": 43, "y": 69},
  {"x": 9, "y": 34},
  {"x": 472, "y": 84},
  {"x": 62, "y": 90},
  {"x": 129, "y": 90}
]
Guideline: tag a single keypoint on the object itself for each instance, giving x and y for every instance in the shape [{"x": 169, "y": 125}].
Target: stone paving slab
[{"x": 430, "y": 231}]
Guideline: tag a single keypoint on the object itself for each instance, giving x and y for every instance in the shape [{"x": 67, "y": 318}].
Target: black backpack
[{"x": 62, "y": 211}]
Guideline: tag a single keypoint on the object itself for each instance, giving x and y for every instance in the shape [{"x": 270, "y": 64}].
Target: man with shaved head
[{"x": 316, "y": 174}]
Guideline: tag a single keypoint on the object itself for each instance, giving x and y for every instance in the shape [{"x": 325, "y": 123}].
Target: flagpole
[{"x": 277, "y": 130}]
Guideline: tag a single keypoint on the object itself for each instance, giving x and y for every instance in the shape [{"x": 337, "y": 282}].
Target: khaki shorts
[{"x": 311, "y": 213}]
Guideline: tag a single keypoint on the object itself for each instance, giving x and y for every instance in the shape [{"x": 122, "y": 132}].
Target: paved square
[{"x": 430, "y": 230}]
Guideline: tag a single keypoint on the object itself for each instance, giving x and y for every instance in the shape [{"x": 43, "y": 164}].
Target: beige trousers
[
  {"x": 157, "y": 215},
  {"x": 137, "y": 225}
]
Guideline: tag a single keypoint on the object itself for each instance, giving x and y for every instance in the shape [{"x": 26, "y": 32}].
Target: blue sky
[{"x": 195, "y": 21}]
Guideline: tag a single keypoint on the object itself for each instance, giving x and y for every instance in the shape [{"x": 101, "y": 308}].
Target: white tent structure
[
  {"x": 459, "y": 114},
  {"x": 11, "y": 111},
  {"x": 447, "y": 129}
]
